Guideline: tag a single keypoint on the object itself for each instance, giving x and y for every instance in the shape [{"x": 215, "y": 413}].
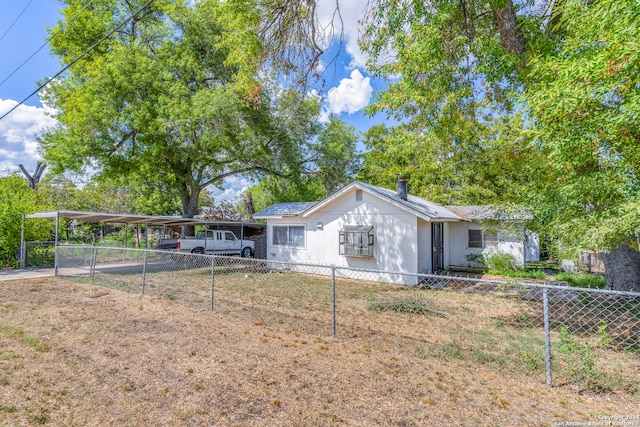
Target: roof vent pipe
[{"x": 402, "y": 188}]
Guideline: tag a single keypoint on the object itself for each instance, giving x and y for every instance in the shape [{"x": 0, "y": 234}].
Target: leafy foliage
[
  {"x": 338, "y": 159},
  {"x": 17, "y": 199},
  {"x": 586, "y": 108},
  {"x": 160, "y": 102},
  {"x": 561, "y": 82},
  {"x": 336, "y": 162}
]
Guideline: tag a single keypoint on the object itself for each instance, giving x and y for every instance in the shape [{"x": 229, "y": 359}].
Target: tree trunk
[
  {"x": 510, "y": 35},
  {"x": 622, "y": 265},
  {"x": 189, "y": 209}
]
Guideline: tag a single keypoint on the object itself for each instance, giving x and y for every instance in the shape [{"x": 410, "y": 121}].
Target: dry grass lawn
[{"x": 74, "y": 354}]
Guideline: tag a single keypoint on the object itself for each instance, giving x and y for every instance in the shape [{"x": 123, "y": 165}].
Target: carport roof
[{"x": 123, "y": 218}]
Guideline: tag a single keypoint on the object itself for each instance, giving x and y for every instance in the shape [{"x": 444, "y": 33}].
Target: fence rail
[{"x": 548, "y": 327}]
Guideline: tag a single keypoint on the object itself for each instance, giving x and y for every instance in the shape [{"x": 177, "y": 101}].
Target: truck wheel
[
  {"x": 198, "y": 251},
  {"x": 246, "y": 252}
]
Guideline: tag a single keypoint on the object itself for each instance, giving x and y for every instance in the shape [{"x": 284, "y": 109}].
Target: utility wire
[
  {"x": 45, "y": 43},
  {"x": 15, "y": 20},
  {"x": 96, "y": 44}
]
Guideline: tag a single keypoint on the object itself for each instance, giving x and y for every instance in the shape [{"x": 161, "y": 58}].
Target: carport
[{"x": 242, "y": 229}]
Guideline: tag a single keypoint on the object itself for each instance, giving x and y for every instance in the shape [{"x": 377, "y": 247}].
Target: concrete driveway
[{"x": 25, "y": 274}]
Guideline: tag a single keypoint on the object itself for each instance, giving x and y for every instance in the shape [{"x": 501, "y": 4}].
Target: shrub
[
  {"x": 582, "y": 280},
  {"x": 502, "y": 262}
]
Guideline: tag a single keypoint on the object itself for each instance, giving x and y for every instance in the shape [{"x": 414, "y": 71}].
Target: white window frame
[{"x": 289, "y": 243}]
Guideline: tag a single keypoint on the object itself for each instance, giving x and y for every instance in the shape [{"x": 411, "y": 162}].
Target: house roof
[
  {"x": 480, "y": 213},
  {"x": 473, "y": 213},
  {"x": 424, "y": 208},
  {"x": 420, "y": 207},
  {"x": 284, "y": 209}
]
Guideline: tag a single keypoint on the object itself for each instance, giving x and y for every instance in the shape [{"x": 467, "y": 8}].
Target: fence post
[
  {"x": 547, "y": 334},
  {"x": 144, "y": 270},
  {"x": 93, "y": 256},
  {"x": 56, "y": 260},
  {"x": 213, "y": 263},
  {"x": 56, "y": 256},
  {"x": 23, "y": 248},
  {"x": 333, "y": 301}
]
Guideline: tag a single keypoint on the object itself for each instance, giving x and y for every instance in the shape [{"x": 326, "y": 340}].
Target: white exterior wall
[
  {"x": 459, "y": 245},
  {"x": 533, "y": 247},
  {"x": 395, "y": 236},
  {"x": 424, "y": 246}
]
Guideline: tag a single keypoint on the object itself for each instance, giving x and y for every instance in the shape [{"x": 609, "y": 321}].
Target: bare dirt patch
[{"x": 77, "y": 354}]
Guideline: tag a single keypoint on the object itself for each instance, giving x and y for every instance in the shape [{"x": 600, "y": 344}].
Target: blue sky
[{"x": 348, "y": 89}]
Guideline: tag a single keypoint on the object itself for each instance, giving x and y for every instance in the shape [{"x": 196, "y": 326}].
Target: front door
[{"x": 437, "y": 247}]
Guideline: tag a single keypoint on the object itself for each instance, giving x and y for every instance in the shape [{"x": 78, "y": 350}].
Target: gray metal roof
[
  {"x": 425, "y": 208},
  {"x": 284, "y": 209},
  {"x": 422, "y": 208},
  {"x": 480, "y": 213}
]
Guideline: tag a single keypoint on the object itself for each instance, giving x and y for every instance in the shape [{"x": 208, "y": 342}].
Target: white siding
[
  {"x": 533, "y": 247},
  {"x": 424, "y": 246}
]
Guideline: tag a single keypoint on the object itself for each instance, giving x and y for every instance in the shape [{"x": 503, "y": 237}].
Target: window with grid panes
[{"x": 356, "y": 241}]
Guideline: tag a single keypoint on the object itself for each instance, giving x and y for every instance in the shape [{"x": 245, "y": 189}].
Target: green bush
[
  {"x": 505, "y": 265},
  {"x": 117, "y": 239},
  {"x": 582, "y": 280},
  {"x": 16, "y": 198},
  {"x": 502, "y": 262}
]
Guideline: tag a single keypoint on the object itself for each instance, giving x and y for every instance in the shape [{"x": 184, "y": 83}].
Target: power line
[
  {"x": 45, "y": 43},
  {"x": 15, "y": 20},
  {"x": 96, "y": 44}
]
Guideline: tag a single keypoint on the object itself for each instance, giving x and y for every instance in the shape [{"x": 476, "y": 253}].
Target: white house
[{"x": 369, "y": 227}]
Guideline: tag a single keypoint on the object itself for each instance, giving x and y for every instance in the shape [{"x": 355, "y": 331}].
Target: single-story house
[{"x": 369, "y": 227}]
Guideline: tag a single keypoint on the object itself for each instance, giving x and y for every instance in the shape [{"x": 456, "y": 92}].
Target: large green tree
[
  {"x": 489, "y": 166},
  {"x": 584, "y": 97},
  {"x": 162, "y": 101},
  {"x": 568, "y": 67},
  {"x": 336, "y": 161}
]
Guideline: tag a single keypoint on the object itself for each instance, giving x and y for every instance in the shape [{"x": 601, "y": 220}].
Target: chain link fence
[
  {"x": 38, "y": 254},
  {"x": 587, "y": 338}
]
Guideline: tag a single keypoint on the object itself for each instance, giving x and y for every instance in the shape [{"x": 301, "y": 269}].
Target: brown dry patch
[{"x": 127, "y": 359}]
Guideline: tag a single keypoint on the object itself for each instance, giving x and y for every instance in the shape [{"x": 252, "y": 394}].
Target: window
[
  {"x": 229, "y": 236},
  {"x": 288, "y": 235},
  {"x": 356, "y": 241},
  {"x": 480, "y": 239}
]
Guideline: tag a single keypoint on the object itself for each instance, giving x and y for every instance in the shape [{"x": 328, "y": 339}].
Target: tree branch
[{"x": 124, "y": 139}]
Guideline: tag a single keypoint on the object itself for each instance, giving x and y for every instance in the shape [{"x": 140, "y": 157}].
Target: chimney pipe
[{"x": 402, "y": 188}]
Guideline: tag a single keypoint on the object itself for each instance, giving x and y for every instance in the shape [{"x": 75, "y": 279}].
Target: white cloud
[
  {"x": 350, "y": 96},
  {"x": 18, "y": 133},
  {"x": 232, "y": 189},
  {"x": 351, "y": 12}
]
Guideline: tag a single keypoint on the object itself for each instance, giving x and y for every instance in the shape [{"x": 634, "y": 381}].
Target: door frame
[{"x": 437, "y": 246}]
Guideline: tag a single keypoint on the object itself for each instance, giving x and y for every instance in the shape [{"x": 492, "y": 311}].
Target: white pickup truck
[{"x": 219, "y": 242}]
